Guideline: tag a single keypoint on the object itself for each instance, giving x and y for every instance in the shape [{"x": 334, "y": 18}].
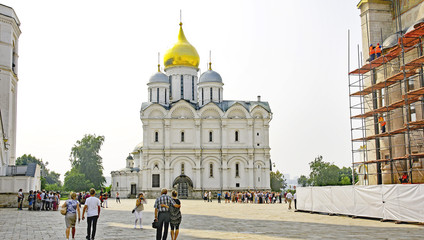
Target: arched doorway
[{"x": 183, "y": 184}]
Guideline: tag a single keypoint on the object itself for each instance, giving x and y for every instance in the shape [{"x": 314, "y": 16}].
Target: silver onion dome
[
  {"x": 159, "y": 77},
  {"x": 210, "y": 76}
]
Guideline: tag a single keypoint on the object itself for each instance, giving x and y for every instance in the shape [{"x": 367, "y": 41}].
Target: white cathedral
[{"x": 193, "y": 140}]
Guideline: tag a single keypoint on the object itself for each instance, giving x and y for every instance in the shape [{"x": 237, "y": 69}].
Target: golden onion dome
[{"x": 182, "y": 53}]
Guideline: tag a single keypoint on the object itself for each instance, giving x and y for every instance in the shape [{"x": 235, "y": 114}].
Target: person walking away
[
  {"x": 295, "y": 200},
  {"x": 162, "y": 215},
  {"x": 209, "y": 196},
  {"x": 219, "y": 197},
  {"x": 289, "y": 199},
  {"x": 139, "y": 207},
  {"x": 372, "y": 52},
  {"x": 118, "y": 200},
  {"x": 175, "y": 216},
  {"x": 72, "y": 208},
  {"x": 378, "y": 50},
  {"x": 92, "y": 206},
  {"x": 382, "y": 123},
  {"x": 20, "y": 199}
]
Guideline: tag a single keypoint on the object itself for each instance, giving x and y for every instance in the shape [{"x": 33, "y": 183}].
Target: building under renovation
[{"x": 386, "y": 94}]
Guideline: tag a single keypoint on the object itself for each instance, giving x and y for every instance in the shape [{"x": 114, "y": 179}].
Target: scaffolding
[{"x": 389, "y": 89}]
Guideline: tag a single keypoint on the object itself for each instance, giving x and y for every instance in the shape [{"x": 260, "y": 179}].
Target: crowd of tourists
[
  {"x": 50, "y": 200},
  {"x": 103, "y": 197},
  {"x": 40, "y": 200},
  {"x": 258, "y": 197}
]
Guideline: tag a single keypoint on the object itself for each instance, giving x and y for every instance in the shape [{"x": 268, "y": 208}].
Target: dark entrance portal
[
  {"x": 183, "y": 184},
  {"x": 133, "y": 189}
]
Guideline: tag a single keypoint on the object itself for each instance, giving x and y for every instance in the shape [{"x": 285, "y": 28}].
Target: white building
[
  {"x": 12, "y": 177},
  {"x": 193, "y": 140},
  {"x": 9, "y": 35}
]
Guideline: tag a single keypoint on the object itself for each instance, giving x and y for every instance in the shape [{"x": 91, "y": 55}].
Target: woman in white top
[{"x": 139, "y": 207}]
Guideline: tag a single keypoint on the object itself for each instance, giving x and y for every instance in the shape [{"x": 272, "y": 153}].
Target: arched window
[
  {"x": 192, "y": 88},
  {"x": 14, "y": 59},
  {"x": 237, "y": 170},
  {"x": 182, "y": 86},
  {"x": 182, "y": 136},
  {"x": 211, "y": 94},
  {"x": 236, "y": 136},
  {"x": 117, "y": 184},
  {"x": 211, "y": 170},
  {"x": 156, "y": 136},
  {"x": 210, "y": 136},
  {"x": 182, "y": 168},
  {"x": 151, "y": 96},
  {"x": 170, "y": 86},
  {"x": 157, "y": 95},
  {"x": 203, "y": 98}
]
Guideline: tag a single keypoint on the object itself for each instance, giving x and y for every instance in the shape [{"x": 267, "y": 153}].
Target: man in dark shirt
[{"x": 162, "y": 214}]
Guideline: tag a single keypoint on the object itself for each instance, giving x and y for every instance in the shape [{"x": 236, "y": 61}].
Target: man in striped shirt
[{"x": 162, "y": 214}]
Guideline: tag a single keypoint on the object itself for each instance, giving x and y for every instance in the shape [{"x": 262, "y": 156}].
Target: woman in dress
[
  {"x": 175, "y": 216},
  {"x": 139, "y": 207},
  {"x": 72, "y": 208}
]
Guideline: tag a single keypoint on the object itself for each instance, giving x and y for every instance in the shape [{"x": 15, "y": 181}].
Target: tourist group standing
[{"x": 40, "y": 200}]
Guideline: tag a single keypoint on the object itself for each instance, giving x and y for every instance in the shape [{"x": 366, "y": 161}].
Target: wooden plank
[{"x": 414, "y": 93}]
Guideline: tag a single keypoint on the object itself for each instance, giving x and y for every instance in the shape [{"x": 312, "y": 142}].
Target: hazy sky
[{"x": 84, "y": 65}]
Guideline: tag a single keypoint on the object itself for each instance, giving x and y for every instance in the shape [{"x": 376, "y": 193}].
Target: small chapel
[{"x": 194, "y": 140}]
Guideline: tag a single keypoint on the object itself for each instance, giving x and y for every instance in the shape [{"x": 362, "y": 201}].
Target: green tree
[
  {"x": 26, "y": 159},
  {"x": 53, "y": 187},
  {"x": 86, "y": 160},
  {"x": 277, "y": 181},
  {"x": 323, "y": 173},
  {"x": 345, "y": 176},
  {"x": 52, "y": 177},
  {"x": 76, "y": 181},
  {"x": 48, "y": 177},
  {"x": 303, "y": 181}
]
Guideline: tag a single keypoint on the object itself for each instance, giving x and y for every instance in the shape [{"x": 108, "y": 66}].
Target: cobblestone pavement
[{"x": 202, "y": 220}]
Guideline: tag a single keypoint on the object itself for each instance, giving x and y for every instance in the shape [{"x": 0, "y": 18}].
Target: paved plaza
[{"x": 203, "y": 220}]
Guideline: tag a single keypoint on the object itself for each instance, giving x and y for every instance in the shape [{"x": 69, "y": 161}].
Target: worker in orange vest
[
  {"x": 383, "y": 124},
  {"x": 372, "y": 52},
  {"x": 404, "y": 179},
  {"x": 378, "y": 50}
]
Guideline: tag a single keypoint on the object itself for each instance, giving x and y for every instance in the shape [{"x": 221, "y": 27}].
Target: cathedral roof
[
  {"x": 138, "y": 147},
  {"x": 159, "y": 77},
  {"x": 249, "y": 105},
  {"x": 224, "y": 105},
  {"x": 182, "y": 53},
  {"x": 210, "y": 76}
]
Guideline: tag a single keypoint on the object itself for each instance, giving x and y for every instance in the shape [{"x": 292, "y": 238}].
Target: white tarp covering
[{"x": 400, "y": 202}]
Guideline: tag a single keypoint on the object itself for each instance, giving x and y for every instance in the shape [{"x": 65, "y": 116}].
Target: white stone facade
[
  {"x": 9, "y": 35},
  {"x": 193, "y": 140}
]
